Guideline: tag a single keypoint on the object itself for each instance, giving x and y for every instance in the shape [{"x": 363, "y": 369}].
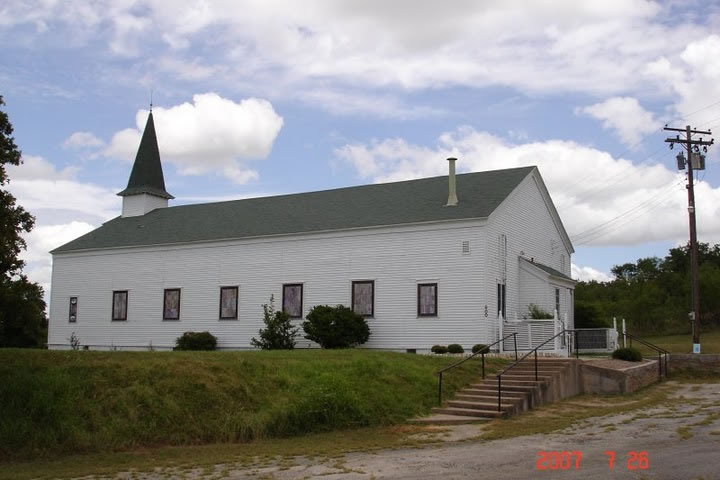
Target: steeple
[{"x": 146, "y": 188}]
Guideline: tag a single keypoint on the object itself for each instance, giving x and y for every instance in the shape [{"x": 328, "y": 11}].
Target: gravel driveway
[{"x": 681, "y": 441}]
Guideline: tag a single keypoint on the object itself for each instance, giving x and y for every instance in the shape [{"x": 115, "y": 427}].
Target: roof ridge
[{"x": 351, "y": 187}]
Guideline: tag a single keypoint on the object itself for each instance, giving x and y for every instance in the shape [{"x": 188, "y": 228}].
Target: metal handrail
[
  {"x": 481, "y": 353},
  {"x": 517, "y": 362},
  {"x": 662, "y": 353}
]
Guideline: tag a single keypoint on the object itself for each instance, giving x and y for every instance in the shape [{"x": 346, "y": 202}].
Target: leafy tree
[
  {"x": 587, "y": 315},
  {"x": 22, "y": 308},
  {"x": 279, "y": 333}
]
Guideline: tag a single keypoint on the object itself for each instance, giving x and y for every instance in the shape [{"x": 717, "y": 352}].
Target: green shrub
[
  {"x": 538, "y": 313},
  {"x": 628, "y": 353},
  {"x": 196, "y": 341},
  {"x": 279, "y": 333},
  {"x": 480, "y": 348},
  {"x": 335, "y": 327},
  {"x": 439, "y": 349},
  {"x": 455, "y": 348}
]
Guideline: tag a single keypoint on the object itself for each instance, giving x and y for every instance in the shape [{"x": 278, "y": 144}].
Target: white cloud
[
  {"x": 213, "y": 134},
  {"x": 625, "y": 116},
  {"x": 83, "y": 140},
  {"x": 582, "y": 45},
  {"x": 44, "y": 238},
  {"x": 34, "y": 167},
  {"x": 188, "y": 70},
  {"x": 344, "y": 102},
  {"x": 632, "y": 203},
  {"x": 39, "y": 185},
  {"x": 694, "y": 76},
  {"x": 68, "y": 195},
  {"x": 128, "y": 30},
  {"x": 587, "y": 274}
]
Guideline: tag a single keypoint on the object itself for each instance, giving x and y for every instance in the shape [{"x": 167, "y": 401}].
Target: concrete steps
[
  {"x": 520, "y": 392},
  {"x": 446, "y": 419},
  {"x": 469, "y": 412}
]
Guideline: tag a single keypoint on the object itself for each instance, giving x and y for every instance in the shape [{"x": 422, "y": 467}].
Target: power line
[
  {"x": 601, "y": 187},
  {"x": 699, "y": 110},
  {"x": 658, "y": 202},
  {"x": 579, "y": 238}
]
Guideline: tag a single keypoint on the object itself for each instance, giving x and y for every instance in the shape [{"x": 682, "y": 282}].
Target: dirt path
[{"x": 682, "y": 441}]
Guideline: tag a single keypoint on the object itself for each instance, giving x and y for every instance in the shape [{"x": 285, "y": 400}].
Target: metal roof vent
[{"x": 452, "y": 193}]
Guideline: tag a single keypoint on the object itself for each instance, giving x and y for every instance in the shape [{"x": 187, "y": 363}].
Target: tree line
[
  {"x": 653, "y": 294},
  {"x": 22, "y": 308}
]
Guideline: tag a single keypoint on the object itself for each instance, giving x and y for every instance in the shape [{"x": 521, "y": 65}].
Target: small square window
[
  {"x": 228, "y": 303},
  {"x": 363, "y": 297},
  {"x": 171, "y": 304},
  {"x": 119, "y": 305},
  {"x": 72, "y": 317},
  {"x": 427, "y": 300},
  {"x": 293, "y": 299}
]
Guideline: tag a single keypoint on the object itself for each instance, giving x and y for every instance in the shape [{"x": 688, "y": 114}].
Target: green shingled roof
[
  {"x": 147, "y": 173},
  {"x": 395, "y": 203}
]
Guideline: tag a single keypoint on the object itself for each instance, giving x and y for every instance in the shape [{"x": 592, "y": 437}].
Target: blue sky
[{"x": 266, "y": 97}]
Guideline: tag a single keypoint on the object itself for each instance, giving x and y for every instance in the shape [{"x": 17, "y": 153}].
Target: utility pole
[{"x": 695, "y": 161}]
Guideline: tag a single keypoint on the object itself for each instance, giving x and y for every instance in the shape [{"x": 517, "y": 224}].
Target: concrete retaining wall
[
  {"x": 596, "y": 379},
  {"x": 566, "y": 383},
  {"x": 704, "y": 362}
]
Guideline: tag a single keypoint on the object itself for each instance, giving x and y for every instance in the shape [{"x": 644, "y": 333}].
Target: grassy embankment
[
  {"x": 59, "y": 403},
  {"x": 709, "y": 341}
]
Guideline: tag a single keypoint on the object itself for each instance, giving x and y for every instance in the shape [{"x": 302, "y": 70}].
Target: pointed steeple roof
[{"x": 147, "y": 174}]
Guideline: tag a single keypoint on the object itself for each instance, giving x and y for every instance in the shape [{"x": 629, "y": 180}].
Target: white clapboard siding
[
  {"x": 526, "y": 219},
  {"x": 396, "y": 258}
]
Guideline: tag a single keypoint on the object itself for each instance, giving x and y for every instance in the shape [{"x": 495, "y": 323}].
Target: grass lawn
[
  {"x": 709, "y": 341},
  {"x": 324, "y": 447},
  {"x": 53, "y": 403}
]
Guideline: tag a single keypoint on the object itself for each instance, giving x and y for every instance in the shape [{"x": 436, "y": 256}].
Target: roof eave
[
  {"x": 139, "y": 191},
  {"x": 539, "y": 268}
]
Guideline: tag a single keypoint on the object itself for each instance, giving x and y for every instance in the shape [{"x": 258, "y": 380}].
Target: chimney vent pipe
[{"x": 452, "y": 192}]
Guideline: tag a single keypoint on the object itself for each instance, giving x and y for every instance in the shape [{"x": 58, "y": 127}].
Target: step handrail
[
  {"x": 662, "y": 353},
  {"x": 481, "y": 353},
  {"x": 517, "y": 362}
]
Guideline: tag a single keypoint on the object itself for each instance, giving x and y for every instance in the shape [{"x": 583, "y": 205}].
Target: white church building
[{"x": 451, "y": 259}]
